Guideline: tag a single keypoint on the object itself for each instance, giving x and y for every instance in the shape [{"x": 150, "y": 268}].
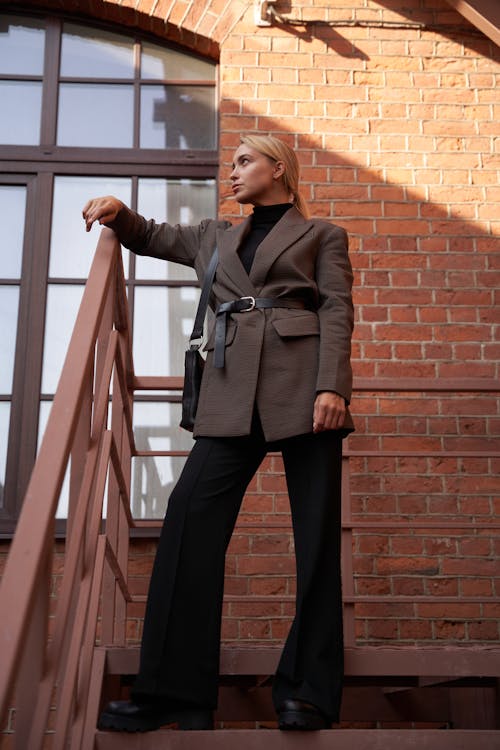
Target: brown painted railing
[
  {"x": 49, "y": 668},
  {"x": 47, "y": 664}
]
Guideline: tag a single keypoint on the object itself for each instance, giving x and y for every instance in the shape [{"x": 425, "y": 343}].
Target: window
[{"x": 151, "y": 141}]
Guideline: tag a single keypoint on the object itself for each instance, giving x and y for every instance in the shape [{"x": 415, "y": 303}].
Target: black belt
[{"x": 243, "y": 305}]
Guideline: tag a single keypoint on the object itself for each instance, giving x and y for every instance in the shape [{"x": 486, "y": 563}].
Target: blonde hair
[{"x": 278, "y": 150}]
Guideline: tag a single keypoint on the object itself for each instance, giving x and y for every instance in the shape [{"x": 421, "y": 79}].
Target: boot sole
[
  {"x": 185, "y": 720},
  {"x": 299, "y": 721}
]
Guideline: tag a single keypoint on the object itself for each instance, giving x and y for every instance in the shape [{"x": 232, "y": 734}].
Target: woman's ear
[{"x": 279, "y": 170}]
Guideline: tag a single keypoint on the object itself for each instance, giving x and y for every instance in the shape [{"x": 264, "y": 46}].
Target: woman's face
[{"x": 255, "y": 177}]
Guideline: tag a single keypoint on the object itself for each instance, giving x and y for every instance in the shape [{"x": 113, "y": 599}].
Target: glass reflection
[
  {"x": 12, "y": 213},
  {"x": 9, "y": 301},
  {"x": 62, "y": 308},
  {"x": 71, "y": 247},
  {"x": 163, "y": 321},
  {"x": 170, "y": 64},
  {"x": 4, "y": 441},
  {"x": 94, "y": 53},
  {"x": 20, "y": 113},
  {"x": 63, "y": 504},
  {"x": 178, "y": 202},
  {"x": 156, "y": 427},
  {"x": 177, "y": 117},
  {"x": 22, "y": 42},
  {"x": 112, "y": 123},
  {"x": 152, "y": 482}
]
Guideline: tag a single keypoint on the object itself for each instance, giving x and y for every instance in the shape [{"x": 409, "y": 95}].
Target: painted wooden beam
[{"x": 483, "y": 14}]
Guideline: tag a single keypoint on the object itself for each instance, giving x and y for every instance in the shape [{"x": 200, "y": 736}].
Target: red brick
[
  {"x": 449, "y": 630},
  {"x": 254, "y": 629},
  {"x": 486, "y": 630},
  {"x": 438, "y": 587},
  {"x": 409, "y": 565},
  {"x": 262, "y": 564},
  {"x": 415, "y": 630},
  {"x": 268, "y": 585},
  {"x": 382, "y": 629}
]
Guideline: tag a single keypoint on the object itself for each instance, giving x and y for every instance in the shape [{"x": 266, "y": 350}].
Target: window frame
[{"x": 37, "y": 167}]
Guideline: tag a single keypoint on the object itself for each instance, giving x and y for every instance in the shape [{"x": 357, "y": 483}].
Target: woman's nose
[{"x": 232, "y": 176}]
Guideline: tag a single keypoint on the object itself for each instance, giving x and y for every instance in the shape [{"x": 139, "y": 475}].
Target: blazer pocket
[
  {"x": 230, "y": 334},
  {"x": 297, "y": 325}
]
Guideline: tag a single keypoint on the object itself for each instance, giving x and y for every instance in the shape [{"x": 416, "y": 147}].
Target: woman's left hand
[{"x": 329, "y": 411}]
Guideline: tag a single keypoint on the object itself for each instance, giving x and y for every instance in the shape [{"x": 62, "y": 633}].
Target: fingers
[
  {"x": 90, "y": 213},
  {"x": 102, "y": 210},
  {"x": 329, "y": 412}
]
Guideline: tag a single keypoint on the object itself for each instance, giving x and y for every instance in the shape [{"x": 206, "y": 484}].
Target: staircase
[
  {"x": 392, "y": 689},
  {"x": 57, "y": 678}
]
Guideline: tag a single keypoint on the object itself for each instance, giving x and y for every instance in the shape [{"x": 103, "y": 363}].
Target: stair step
[
  {"x": 360, "y": 661},
  {"x": 332, "y": 739}
]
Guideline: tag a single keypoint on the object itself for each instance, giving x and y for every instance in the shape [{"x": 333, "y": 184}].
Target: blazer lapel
[
  {"x": 288, "y": 230},
  {"x": 229, "y": 241}
]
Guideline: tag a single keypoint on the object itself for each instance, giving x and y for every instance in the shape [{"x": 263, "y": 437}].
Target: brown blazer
[{"x": 277, "y": 358}]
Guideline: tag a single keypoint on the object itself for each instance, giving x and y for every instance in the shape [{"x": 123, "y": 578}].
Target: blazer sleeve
[
  {"x": 334, "y": 278},
  {"x": 177, "y": 243}
]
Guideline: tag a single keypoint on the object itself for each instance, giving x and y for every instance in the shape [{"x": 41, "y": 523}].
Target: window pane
[
  {"x": 178, "y": 202},
  {"x": 163, "y": 321},
  {"x": 62, "y": 507},
  {"x": 169, "y": 64},
  {"x": 9, "y": 301},
  {"x": 20, "y": 112},
  {"x": 177, "y": 117},
  {"x": 4, "y": 441},
  {"x": 152, "y": 482},
  {"x": 12, "y": 212},
  {"x": 93, "y": 53},
  {"x": 156, "y": 427},
  {"x": 62, "y": 308},
  {"x": 72, "y": 248},
  {"x": 111, "y": 124},
  {"x": 22, "y": 43}
]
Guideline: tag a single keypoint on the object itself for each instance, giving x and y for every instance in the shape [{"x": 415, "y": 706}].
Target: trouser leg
[
  {"x": 311, "y": 665},
  {"x": 181, "y": 639}
]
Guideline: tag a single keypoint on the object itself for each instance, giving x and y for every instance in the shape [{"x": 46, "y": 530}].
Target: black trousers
[{"x": 181, "y": 639}]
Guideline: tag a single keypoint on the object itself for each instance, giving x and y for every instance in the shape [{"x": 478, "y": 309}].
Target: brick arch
[{"x": 201, "y": 27}]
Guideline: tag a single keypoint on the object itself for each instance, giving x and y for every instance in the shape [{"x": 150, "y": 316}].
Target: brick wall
[
  {"x": 395, "y": 122},
  {"x": 396, "y": 130}
]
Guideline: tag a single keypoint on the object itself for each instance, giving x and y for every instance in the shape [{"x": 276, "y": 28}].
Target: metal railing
[{"x": 48, "y": 663}]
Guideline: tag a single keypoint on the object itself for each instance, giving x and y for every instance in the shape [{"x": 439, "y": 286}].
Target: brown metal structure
[
  {"x": 50, "y": 666},
  {"x": 484, "y": 14}
]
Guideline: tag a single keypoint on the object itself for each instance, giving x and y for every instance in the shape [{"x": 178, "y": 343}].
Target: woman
[{"x": 277, "y": 377}]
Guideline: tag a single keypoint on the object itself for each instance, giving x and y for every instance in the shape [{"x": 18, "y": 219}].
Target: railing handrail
[
  {"x": 29, "y": 551},
  {"x": 361, "y": 384}
]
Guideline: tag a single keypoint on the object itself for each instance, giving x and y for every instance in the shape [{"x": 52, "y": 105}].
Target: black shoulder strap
[{"x": 203, "y": 303}]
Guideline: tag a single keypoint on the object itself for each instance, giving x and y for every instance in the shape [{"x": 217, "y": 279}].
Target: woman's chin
[{"x": 241, "y": 198}]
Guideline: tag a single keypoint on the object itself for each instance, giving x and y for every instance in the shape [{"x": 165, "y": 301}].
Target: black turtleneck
[{"x": 263, "y": 220}]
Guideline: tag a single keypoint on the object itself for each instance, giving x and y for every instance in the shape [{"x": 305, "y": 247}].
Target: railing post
[
  {"x": 33, "y": 657},
  {"x": 79, "y": 449},
  {"x": 346, "y": 556},
  {"x": 114, "y": 608},
  {"x": 125, "y": 453}
]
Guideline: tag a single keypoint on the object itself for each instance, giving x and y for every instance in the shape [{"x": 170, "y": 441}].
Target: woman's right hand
[{"x": 103, "y": 210}]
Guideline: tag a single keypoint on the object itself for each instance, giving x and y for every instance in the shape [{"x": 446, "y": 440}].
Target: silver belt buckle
[{"x": 252, "y": 304}]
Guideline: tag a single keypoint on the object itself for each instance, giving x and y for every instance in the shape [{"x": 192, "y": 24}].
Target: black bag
[{"x": 193, "y": 361}]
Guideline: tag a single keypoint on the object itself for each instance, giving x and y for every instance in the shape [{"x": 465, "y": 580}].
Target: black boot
[
  {"x": 128, "y": 716},
  {"x": 296, "y": 714}
]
